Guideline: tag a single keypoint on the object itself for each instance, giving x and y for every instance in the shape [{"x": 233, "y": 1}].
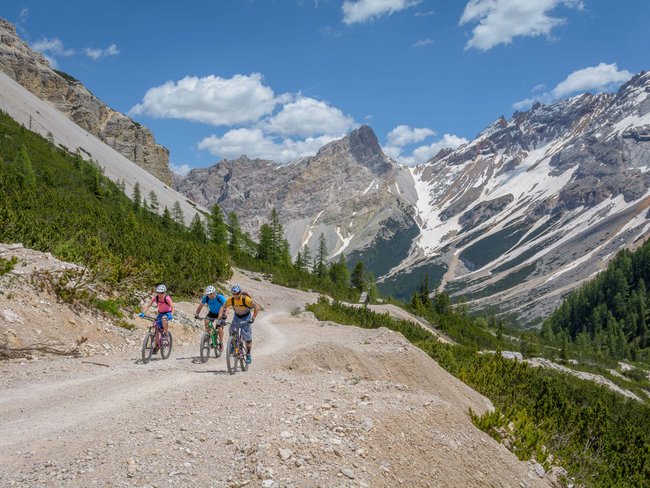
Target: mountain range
[{"x": 510, "y": 221}]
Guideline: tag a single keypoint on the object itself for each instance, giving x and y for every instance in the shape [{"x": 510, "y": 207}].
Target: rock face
[
  {"x": 69, "y": 96},
  {"x": 535, "y": 205},
  {"x": 349, "y": 191}
]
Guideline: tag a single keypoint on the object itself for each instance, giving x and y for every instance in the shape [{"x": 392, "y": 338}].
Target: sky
[{"x": 277, "y": 79}]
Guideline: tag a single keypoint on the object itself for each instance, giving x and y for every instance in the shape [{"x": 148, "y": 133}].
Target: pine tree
[
  {"x": 177, "y": 213},
  {"x": 167, "y": 220},
  {"x": 371, "y": 286},
  {"x": 339, "y": 272},
  {"x": 235, "y": 232},
  {"x": 357, "y": 276},
  {"x": 217, "y": 227},
  {"x": 136, "y": 197},
  {"x": 153, "y": 201},
  {"x": 321, "y": 258},
  {"x": 197, "y": 229},
  {"x": 265, "y": 246}
]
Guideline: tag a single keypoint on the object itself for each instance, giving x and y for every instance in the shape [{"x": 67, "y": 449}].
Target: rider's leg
[
  {"x": 206, "y": 323},
  {"x": 164, "y": 322},
  {"x": 221, "y": 335}
]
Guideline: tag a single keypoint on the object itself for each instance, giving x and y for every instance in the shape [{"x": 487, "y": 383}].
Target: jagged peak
[{"x": 362, "y": 144}]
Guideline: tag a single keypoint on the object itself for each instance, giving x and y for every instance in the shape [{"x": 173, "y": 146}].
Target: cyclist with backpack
[
  {"x": 164, "y": 304},
  {"x": 243, "y": 304},
  {"x": 214, "y": 301}
]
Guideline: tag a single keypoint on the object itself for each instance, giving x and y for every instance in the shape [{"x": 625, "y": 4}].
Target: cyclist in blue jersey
[{"x": 214, "y": 301}]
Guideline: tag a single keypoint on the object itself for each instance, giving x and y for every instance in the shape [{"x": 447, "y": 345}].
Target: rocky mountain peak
[{"x": 362, "y": 146}]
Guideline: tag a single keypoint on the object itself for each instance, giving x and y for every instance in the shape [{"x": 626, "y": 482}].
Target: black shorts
[{"x": 212, "y": 316}]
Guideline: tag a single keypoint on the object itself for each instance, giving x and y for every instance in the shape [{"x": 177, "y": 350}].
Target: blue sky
[{"x": 277, "y": 79}]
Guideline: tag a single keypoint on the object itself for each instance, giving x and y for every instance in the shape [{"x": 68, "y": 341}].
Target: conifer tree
[
  {"x": 167, "y": 220},
  {"x": 23, "y": 163},
  {"x": 217, "y": 227},
  {"x": 153, "y": 201},
  {"x": 235, "y": 232},
  {"x": 339, "y": 272},
  {"x": 357, "y": 276},
  {"x": 136, "y": 197},
  {"x": 320, "y": 269},
  {"x": 197, "y": 228},
  {"x": 177, "y": 213},
  {"x": 265, "y": 246}
]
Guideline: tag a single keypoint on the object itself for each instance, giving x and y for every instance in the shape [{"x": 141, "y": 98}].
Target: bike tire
[
  {"x": 231, "y": 357},
  {"x": 217, "y": 351},
  {"x": 147, "y": 347},
  {"x": 204, "y": 347},
  {"x": 166, "y": 347},
  {"x": 242, "y": 357}
]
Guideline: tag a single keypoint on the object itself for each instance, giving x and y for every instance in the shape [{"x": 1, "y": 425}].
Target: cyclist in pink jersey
[{"x": 164, "y": 304}]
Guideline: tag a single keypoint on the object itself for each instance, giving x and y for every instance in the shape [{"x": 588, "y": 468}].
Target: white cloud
[
  {"x": 360, "y": 11},
  {"x": 422, "y": 154},
  {"x": 597, "y": 78},
  {"x": 212, "y": 100},
  {"x": 52, "y": 47},
  {"x": 255, "y": 144},
  {"x": 498, "y": 21},
  {"x": 403, "y": 135},
  {"x": 95, "y": 54},
  {"x": 425, "y": 14},
  {"x": 307, "y": 117},
  {"x": 180, "y": 169},
  {"x": 423, "y": 42}
]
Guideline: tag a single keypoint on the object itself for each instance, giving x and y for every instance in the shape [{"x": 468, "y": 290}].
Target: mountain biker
[
  {"x": 243, "y": 304},
  {"x": 165, "y": 306},
  {"x": 214, "y": 301}
]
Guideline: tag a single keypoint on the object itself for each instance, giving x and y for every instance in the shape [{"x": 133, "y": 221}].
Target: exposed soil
[{"x": 322, "y": 404}]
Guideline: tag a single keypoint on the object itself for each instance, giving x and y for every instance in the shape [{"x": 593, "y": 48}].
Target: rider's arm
[
  {"x": 149, "y": 304},
  {"x": 224, "y": 312},
  {"x": 256, "y": 309},
  {"x": 198, "y": 310}
]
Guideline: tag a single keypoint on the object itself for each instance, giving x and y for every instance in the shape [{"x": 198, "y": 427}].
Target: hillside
[{"x": 322, "y": 405}]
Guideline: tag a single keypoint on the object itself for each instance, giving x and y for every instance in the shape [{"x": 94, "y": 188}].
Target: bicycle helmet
[
  {"x": 236, "y": 289},
  {"x": 161, "y": 289},
  {"x": 210, "y": 289}
]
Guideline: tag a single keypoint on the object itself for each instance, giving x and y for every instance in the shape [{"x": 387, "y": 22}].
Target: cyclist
[
  {"x": 243, "y": 304},
  {"x": 214, "y": 301},
  {"x": 165, "y": 307}
]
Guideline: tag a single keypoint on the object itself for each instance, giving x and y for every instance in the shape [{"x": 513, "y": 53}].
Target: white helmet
[
  {"x": 210, "y": 289},
  {"x": 161, "y": 289}
]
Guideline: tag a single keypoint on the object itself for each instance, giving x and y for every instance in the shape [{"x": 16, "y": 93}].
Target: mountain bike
[
  {"x": 210, "y": 340},
  {"x": 156, "y": 341},
  {"x": 236, "y": 351}
]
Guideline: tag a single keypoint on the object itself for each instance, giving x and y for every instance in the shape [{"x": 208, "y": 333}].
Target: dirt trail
[{"x": 322, "y": 405}]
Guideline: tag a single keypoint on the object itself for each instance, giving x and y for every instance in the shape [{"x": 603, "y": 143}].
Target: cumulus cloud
[
  {"x": 212, "y": 100},
  {"x": 51, "y": 48},
  {"x": 253, "y": 143},
  {"x": 598, "y": 78},
  {"x": 307, "y": 117},
  {"x": 498, "y": 21},
  {"x": 361, "y": 11},
  {"x": 95, "y": 54},
  {"x": 423, "y": 42},
  {"x": 422, "y": 154},
  {"x": 180, "y": 169},
  {"x": 403, "y": 135}
]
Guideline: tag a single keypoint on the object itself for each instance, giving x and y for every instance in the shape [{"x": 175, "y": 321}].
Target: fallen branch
[{"x": 7, "y": 352}]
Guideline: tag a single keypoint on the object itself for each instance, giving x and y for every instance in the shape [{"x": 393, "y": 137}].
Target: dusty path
[{"x": 322, "y": 405}]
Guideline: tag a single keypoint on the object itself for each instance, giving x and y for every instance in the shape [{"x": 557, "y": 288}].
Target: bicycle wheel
[
  {"x": 166, "y": 345},
  {"x": 231, "y": 354},
  {"x": 242, "y": 356},
  {"x": 217, "y": 349},
  {"x": 147, "y": 347},
  {"x": 204, "y": 347}
]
